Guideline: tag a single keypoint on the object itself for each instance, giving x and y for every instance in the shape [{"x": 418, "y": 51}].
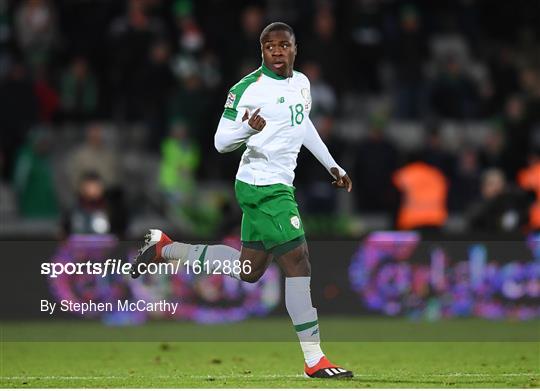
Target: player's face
[{"x": 278, "y": 52}]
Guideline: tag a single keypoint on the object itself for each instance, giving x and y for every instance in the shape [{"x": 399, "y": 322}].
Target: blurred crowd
[{"x": 108, "y": 109}]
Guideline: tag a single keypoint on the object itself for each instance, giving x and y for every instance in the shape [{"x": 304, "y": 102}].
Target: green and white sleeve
[
  {"x": 239, "y": 99},
  {"x": 232, "y": 132}
]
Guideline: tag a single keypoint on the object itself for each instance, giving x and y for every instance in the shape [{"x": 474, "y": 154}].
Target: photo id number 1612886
[{"x": 218, "y": 266}]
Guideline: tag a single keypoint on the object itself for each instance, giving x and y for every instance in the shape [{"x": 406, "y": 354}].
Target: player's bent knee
[{"x": 296, "y": 263}]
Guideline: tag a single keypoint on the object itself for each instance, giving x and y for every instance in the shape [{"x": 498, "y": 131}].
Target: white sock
[
  {"x": 304, "y": 317},
  {"x": 216, "y": 256},
  {"x": 175, "y": 251}
]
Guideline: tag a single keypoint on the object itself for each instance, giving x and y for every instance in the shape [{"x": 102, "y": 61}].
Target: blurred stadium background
[{"x": 108, "y": 111}]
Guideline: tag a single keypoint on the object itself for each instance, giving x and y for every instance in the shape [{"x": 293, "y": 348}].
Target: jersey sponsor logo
[
  {"x": 229, "y": 104},
  {"x": 295, "y": 222}
]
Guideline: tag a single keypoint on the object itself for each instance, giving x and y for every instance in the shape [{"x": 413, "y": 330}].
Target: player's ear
[{"x": 295, "y": 48}]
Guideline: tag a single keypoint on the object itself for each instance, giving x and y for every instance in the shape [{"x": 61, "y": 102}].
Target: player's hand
[
  {"x": 256, "y": 121},
  {"x": 341, "y": 181}
]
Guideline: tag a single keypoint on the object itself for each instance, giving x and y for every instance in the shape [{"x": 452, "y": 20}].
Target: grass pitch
[{"x": 254, "y": 364}]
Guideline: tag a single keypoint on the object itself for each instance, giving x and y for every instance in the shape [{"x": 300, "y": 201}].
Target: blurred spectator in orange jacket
[
  {"x": 424, "y": 190},
  {"x": 529, "y": 179}
]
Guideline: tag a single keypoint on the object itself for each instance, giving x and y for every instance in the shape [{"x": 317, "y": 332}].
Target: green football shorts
[{"x": 271, "y": 220}]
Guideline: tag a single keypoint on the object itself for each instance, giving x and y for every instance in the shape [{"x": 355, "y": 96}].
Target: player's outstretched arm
[
  {"x": 230, "y": 134},
  {"x": 314, "y": 143}
]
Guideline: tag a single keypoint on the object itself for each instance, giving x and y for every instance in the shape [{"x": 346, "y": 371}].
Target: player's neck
[{"x": 274, "y": 75}]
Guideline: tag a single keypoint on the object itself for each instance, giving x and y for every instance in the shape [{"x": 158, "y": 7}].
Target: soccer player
[{"x": 268, "y": 111}]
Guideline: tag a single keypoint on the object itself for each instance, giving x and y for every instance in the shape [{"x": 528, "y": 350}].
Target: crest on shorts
[
  {"x": 229, "y": 104},
  {"x": 295, "y": 222}
]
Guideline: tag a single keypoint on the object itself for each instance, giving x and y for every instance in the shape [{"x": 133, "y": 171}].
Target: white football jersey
[{"x": 284, "y": 103}]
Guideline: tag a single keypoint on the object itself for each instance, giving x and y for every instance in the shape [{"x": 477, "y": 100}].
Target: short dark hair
[{"x": 276, "y": 26}]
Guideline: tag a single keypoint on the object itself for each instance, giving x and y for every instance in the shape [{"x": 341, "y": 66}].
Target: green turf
[
  {"x": 265, "y": 364},
  {"x": 336, "y": 329}
]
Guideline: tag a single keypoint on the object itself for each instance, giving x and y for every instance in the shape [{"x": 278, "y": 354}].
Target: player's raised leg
[
  {"x": 297, "y": 269},
  {"x": 159, "y": 247}
]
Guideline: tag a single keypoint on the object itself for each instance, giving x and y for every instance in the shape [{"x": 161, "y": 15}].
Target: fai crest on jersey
[
  {"x": 295, "y": 222},
  {"x": 306, "y": 95},
  {"x": 229, "y": 104}
]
